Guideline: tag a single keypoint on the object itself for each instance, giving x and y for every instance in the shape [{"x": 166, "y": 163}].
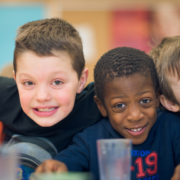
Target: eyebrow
[
  {"x": 56, "y": 72},
  {"x": 140, "y": 93},
  {"x": 123, "y": 96},
  {"x": 24, "y": 74}
]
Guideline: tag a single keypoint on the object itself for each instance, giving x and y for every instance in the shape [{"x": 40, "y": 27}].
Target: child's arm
[
  {"x": 176, "y": 175},
  {"x": 51, "y": 166},
  {"x": 74, "y": 158}
]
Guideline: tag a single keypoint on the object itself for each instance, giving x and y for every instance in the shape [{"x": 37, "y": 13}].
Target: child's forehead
[
  {"x": 173, "y": 72},
  {"x": 172, "y": 78},
  {"x": 61, "y": 55},
  {"x": 58, "y": 61},
  {"x": 136, "y": 78},
  {"x": 130, "y": 82}
]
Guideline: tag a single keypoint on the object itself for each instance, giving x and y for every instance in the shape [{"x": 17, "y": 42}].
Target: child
[
  {"x": 166, "y": 57},
  {"x": 50, "y": 75},
  {"x": 126, "y": 86}
]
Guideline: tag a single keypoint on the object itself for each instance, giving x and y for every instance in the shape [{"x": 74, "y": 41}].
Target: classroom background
[{"x": 102, "y": 24}]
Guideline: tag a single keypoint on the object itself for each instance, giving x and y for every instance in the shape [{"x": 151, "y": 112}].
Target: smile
[
  {"x": 136, "y": 131},
  {"x": 46, "y": 109},
  {"x": 45, "y": 112}
]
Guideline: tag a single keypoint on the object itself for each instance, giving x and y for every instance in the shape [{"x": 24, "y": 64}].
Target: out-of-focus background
[{"x": 102, "y": 24}]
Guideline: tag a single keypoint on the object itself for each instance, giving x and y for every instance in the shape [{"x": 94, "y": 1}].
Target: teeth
[
  {"x": 135, "y": 130},
  {"x": 46, "y": 110}
]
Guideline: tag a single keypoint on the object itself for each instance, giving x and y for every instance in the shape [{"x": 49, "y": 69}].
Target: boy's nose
[
  {"x": 135, "y": 113},
  {"x": 42, "y": 94}
]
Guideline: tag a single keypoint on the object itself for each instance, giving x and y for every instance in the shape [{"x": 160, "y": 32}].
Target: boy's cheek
[
  {"x": 65, "y": 96},
  {"x": 65, "y": 101},
  {"x": 25, "y": 100}
]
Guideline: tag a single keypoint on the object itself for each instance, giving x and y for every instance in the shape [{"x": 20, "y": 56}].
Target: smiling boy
[
  {"x": 50, "y": 73},
  {"x": 126, "y": 86},
  {"x": 47, "y": 70},
  {"x": 47, "y": 91},
  {"x": 50, "y": 76}
]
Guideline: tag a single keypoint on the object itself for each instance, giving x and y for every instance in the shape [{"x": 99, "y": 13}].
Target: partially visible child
[
  {"x": 166, "y": 57},
  {"x": 126, "y": 86},
  {"x": 50, "y": 75}
]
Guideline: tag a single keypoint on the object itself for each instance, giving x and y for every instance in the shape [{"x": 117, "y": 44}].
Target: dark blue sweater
[{"x": 154, "y": 159}]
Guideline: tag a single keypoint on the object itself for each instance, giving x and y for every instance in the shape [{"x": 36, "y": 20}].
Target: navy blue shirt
[{"x": 154, "y": 159}]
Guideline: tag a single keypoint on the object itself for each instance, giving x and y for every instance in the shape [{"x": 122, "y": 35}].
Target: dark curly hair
[{"x": 123, "y": 62}]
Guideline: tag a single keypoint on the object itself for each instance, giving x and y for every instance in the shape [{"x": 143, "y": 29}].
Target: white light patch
[{"x": 87, "y": 34}]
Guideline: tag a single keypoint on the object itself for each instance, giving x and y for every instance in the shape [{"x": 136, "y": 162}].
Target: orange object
[{"x": 2, "y": 135}]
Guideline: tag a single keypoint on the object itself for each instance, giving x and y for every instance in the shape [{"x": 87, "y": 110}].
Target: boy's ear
[
  {"x": 168, "y": 104},
  {"x": 100, "y": 106},
  {"x": 83, "y": 80},
  {"x": 14, "y": 75}
]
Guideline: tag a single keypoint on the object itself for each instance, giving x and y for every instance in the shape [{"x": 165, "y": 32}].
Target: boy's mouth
[
  {"x": 44, "y": 112},
  {"x": 136, "y": 131},
  {"x": 45, "y": 109}
]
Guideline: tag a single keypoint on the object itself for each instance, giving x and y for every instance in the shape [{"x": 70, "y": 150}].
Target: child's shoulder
[
  {"x": 168, "y": 120},
  {"x": 97, "y": 126},
  {"x": 168, "y": 116},
  {"x": 98, "y": 129},
  {"x": 5, "y": 83}
]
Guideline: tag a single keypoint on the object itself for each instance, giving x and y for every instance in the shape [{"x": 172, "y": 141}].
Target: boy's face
[
  {"x": 130, "y": 104},
  {"x": 174, "y": 83},
  {"x": 47, "y": 86}
]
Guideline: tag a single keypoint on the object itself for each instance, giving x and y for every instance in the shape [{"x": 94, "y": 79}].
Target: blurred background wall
[{"x": 103, "y": 24}]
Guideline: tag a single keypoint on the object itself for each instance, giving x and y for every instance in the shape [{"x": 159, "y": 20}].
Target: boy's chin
[
  {"x": 46, "y": 122},
  {"x": 138, "y": 141}
]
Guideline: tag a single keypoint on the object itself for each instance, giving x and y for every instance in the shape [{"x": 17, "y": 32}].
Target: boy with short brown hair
[
  {"x": 48, "y": 35},
  {"x": 50, "y": 75},
  {"x": 166, "y": 57},
  {"x": 39, "y": 46}
]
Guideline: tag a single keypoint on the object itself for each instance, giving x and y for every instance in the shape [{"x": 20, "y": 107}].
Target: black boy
[{"x": 126, "y": 87}]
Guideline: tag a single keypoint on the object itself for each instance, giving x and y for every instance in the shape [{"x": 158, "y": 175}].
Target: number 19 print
[{"x": 144, "y": 165}]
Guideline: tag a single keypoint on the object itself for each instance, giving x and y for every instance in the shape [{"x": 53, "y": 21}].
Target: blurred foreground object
[
  {"x": 8, "y": 163},
  {"x": 114, "y": 156},
  {"x": 62, "y": 176}
]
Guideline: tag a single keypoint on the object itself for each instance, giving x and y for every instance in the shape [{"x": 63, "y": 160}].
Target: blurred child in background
[{"x": 166, "y": 57}]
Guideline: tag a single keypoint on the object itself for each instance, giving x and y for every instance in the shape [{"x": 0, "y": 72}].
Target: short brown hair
[
  {"x": 166, "y": 57},
  {"x": 47, "y": 35}
]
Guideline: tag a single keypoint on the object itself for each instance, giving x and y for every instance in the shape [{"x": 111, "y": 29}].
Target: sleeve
[
  {"x": 5, "y": 83},
  {"x": 76, "y": 156},
  {"x": 9, "y": 100}
]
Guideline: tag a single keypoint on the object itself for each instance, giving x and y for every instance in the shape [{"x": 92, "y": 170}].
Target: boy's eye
[
  {"x": 57, "y": 82},
  {"x": 144, "y": 101},
  {"x": 119, "y": 106},
  {"x": 28, "y": 83}
]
